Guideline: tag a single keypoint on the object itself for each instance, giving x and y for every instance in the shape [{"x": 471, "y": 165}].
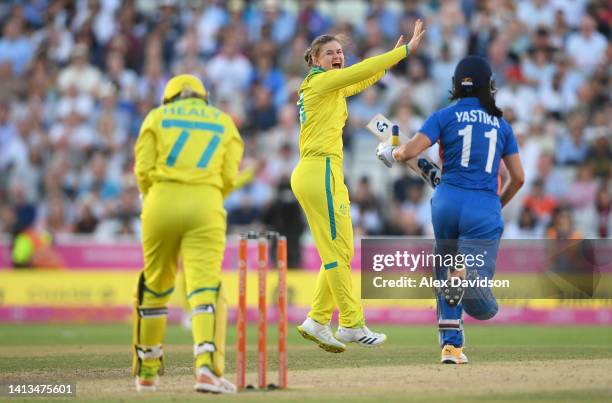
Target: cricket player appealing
[
  {"x": 466, "y": 207},
  {"x": 318, "y": 184},
  {"x": 187, "y": 158}
]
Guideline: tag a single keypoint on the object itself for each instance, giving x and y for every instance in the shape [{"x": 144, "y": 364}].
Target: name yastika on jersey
[{"x": 476, "y": 115}]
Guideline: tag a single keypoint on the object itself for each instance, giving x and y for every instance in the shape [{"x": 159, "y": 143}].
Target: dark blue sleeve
[
  {"x": 431, "y": 128},
  {"x": 510, "y": 146}
]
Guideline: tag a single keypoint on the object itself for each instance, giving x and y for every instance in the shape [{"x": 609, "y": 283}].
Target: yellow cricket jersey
[
  {"x": 322, "y": 101},
  {"x": 188, "y": 141}
]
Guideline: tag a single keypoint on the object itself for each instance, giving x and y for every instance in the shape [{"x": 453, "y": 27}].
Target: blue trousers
[{"x": 466, "y": 222}]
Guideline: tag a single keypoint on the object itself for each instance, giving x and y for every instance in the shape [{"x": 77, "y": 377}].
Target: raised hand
[{"x": 416, "y": 36}]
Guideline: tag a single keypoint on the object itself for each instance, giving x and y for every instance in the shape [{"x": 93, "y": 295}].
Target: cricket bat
[{"x": 423, "y": 166}]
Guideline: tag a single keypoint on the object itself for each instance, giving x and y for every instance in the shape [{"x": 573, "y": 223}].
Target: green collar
[{"x": 315, "y": 70}]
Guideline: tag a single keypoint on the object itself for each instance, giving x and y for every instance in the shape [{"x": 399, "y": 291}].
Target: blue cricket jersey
[{"x": 472, "y": 142}]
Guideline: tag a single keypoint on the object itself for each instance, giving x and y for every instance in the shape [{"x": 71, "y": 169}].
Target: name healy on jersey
[{"x": 476, "y": 115}]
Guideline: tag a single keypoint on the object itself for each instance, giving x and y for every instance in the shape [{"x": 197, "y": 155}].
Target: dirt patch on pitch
[
  {"x": 492, "y": 377},
  {"x": 496, "y": 378}
]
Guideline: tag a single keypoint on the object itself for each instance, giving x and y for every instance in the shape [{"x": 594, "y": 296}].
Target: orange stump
[
  {"x": 241, "y": 315},
  {"x": 262, "y": 344},
  {"x": 262, "y": 317},
  {"x": 281, "y": 250}
]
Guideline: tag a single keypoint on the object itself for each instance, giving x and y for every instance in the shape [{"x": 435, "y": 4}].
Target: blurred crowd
[{"x": 78, "y": 77}]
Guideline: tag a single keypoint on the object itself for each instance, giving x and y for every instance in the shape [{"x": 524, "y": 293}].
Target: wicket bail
[{"x": 262, "y": 322}]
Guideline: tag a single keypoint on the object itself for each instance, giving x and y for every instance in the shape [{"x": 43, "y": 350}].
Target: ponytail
[{"x": 486, "y": 96}]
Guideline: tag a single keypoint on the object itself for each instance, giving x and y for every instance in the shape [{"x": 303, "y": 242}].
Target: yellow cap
[{"x": 182, "y": 82}]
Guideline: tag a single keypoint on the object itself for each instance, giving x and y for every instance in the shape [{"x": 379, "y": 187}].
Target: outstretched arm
[
  {"x": 334, "y": 80},
  {"x": 362, "y": 85}
]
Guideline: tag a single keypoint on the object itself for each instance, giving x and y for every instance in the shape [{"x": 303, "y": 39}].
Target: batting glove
[{"x": 384, "y": 152}]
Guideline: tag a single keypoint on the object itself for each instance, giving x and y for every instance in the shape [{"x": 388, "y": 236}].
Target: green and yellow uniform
[
  {"x": 318, "y": 179},
  {"x": 187, "y": 159}
]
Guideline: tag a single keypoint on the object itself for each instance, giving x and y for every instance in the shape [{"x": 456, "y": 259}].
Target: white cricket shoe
[
  {"x": 207, "y": 382},
  {"x": 360, "y": 335},
  {"x": 320, "y": 334}
]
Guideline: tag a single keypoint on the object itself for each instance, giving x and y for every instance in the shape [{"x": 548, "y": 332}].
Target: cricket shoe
[
  {"x": 363, "y": 336},
  {"x": 146, "y": 381},
  {"x": 453, "y": 355},
  {"x": 320, "y": 334},
  {"x": 207, "y": 382}
]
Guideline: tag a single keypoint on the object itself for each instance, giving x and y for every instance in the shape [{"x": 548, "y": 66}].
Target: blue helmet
[{"x": 472, "y": 72}]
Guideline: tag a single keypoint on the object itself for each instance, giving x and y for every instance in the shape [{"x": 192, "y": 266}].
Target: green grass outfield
[{"x": 508, "y": 363}]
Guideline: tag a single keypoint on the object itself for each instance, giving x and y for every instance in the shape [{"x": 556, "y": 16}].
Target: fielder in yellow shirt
[
  {"x": 318, "y": 183},
  {"x": 187, "y": 158}
]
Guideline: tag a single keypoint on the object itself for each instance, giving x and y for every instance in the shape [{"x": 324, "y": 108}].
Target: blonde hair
[{"x": 315, "y": 47}]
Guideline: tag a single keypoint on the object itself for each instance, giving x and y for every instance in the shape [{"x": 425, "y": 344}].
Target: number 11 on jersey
[{"x": 466, "y": 133}]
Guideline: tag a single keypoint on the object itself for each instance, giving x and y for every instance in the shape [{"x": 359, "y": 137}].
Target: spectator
[
  {"x": 364, "y": 107},
  {"x": 15, "y": 47},
  {"x": 310, "y": 20},
  {"x": 539, "y": 202},
  {"x": 285, "y": 216},
  {"x": 587, "y": 47},
  {"x": 98, "y": 180},
  {"x": 366, "y": 212},
  {"x": 279, "y": 22},
  {"x": 571, "y": 148},
  {"x": 517, "y": 95},
  {"x": 572, "y": 10},
  {"x": 266, "y": 74},
  {"x": 603, "y": 210},
  {"x": 87, "y": 221},
  {"x": 562, "y": 225},
  {"x": 600, "y": 156},
  {"x": 80, "y": 74},
  {"x": 386, "y": 18},
  {"x": 582, "y": 192},
  {"x": 229, "y": 72},
  {"x": 535, "y": 13},
  {"x": 12, "y": 148},
  {"x": 419, "y": 207},
  {"x": 55, "y": 216},
  {"x": 262, "y": 113},
  {"x": 208, "y": 21},
  {"x": 32, "y": 248},
  {"x": 282, "y": 165},
  {"x": 527, "y": 226}
]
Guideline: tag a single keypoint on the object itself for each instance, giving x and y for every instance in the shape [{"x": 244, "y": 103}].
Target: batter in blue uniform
[{"x": 466, "y": 206}]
